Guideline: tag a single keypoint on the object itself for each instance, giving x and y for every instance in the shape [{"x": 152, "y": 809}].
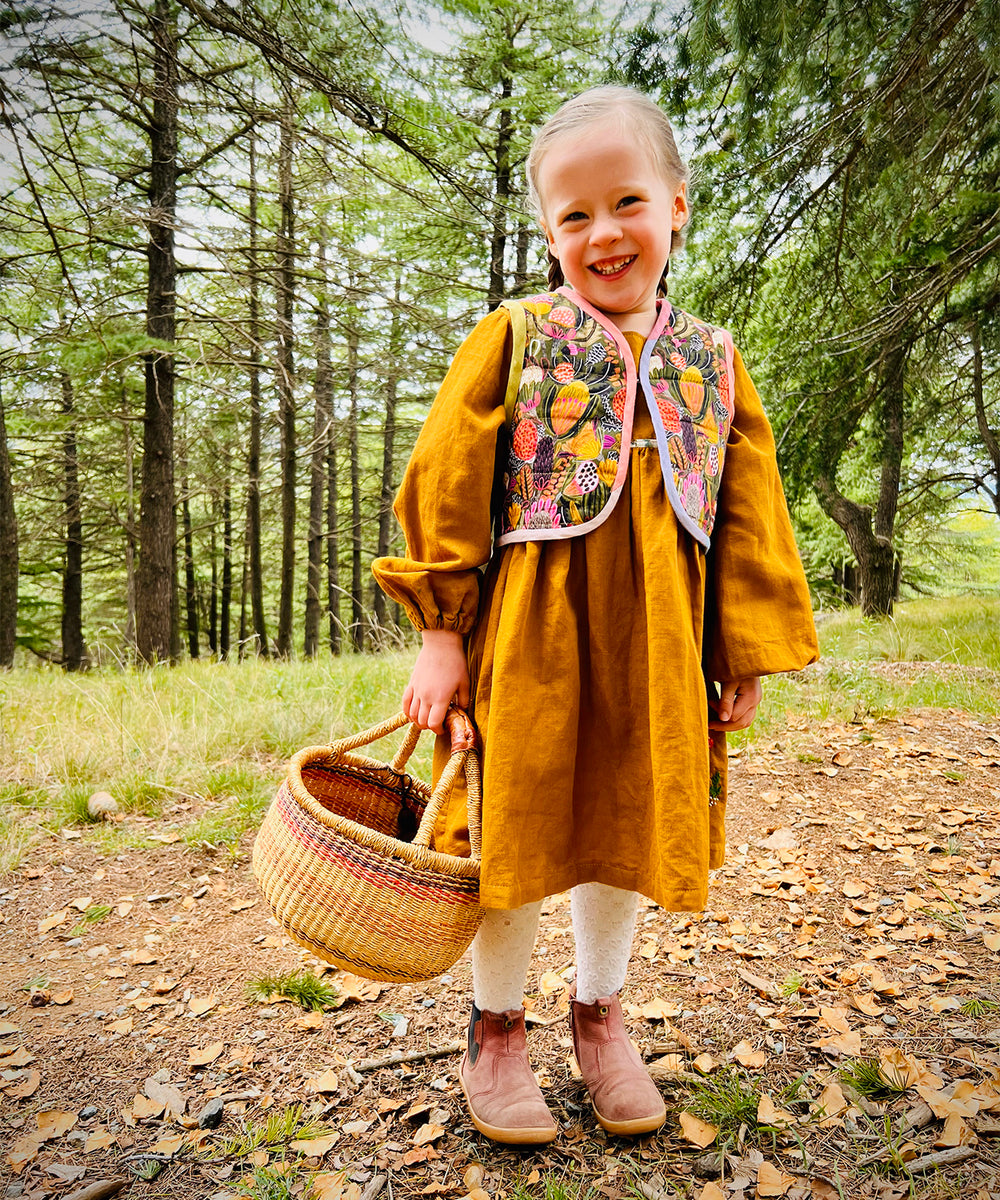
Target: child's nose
[{"x": 605, "y": 230}]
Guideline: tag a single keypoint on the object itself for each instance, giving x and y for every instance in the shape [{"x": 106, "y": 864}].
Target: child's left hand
[{"x": 737, "y": 704}]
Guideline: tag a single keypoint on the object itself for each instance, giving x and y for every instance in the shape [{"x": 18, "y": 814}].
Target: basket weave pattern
[{"x": 342, "y": 857}]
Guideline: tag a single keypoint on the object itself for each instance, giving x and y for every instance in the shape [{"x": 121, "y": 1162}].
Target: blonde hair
[{"x": 635, "y": 111}]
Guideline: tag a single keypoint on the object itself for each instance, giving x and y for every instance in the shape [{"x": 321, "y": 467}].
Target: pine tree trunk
[
  {"x": 226, "y": 600},
  {"x": 870, "y": 532},
  {"x": 74, "y": 652},
  {"x": 332, "y": 540},
  {"x": 213, "y": 603},
  {"x": 357, "y": 592},
  {"x": 255, "y": 570},
  {"x": 155, "y": 577},
  {"x": 521, "y": 267},
  {"x": 990, "y": 437},
  {"x": 501, "y": 195},
  {"x": 9, "y": 559},
  {"x": 190, "y": 595},
  {"x": 323, "y": 403},
  {"x": 129, "y": 532},
  {"x": 286, "y": 386},
  {"x": 388, "y": 449}
]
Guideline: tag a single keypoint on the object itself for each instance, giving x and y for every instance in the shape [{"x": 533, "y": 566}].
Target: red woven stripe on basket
[{"x": 332, "y": 847}]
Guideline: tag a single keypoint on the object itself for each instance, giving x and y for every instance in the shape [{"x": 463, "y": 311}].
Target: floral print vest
[{"x": 570, "y": 402}]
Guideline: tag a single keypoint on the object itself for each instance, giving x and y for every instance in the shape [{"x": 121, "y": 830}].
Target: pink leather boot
[
  {"x": 625, "y": 1099},
  {"x": 503, "y": 1095}
]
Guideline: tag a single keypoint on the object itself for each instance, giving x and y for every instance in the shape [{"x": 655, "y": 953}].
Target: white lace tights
[{"x": 603, "y": 925}]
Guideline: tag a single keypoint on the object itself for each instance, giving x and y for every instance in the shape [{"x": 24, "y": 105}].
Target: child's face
[{"x": 609, "y": 215}]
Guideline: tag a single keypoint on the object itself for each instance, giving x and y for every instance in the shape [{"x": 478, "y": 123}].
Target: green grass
[
  {"x": 868, "y": 1078},
  {"x": 214, "y": 737},
  {"x": 728, "y": 1099},
  {"x": 305, "y": 989},
  {"x": 961, "y": 630}
]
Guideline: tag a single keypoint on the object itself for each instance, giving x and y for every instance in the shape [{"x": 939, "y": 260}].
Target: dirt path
[{"x": 856, "y": 918}]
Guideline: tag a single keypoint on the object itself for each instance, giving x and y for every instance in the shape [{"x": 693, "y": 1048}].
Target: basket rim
[{"x": 418, "y": 856}]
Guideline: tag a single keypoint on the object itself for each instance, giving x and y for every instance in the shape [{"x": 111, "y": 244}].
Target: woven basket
[{"x": 343, "y": 857}]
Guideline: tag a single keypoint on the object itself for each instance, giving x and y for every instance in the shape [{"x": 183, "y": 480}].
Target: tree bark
[
  {"x": 74, "y": 652},
  {"x": 870, "y": 532},
  {"x": 521, "y": 267},
  {"x": 190, "y": 595},
  {"x": 322, "y": 414},
  {"x": 333, "y": 588},
  {"x": 9, "y": 559},
  {"x": 388, "y": 447},
  {"x": 286, "y": 386},
  {"x": 226, "y": 599},
  {"x": 357, "y": 591},
  {"x": 213, "y": 603},
  {"x": 991, "y": 440},
  {"x": 254, "y": 567},
  {"x": 501, "y": 196},
  {"x": 155, "y": 577},
  {"x": 130, "y": 530}
]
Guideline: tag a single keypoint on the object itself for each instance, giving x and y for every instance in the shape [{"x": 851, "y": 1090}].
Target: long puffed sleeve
[
  {"x": 758, "y": 616},
  {"x": 444, "y": 502}
]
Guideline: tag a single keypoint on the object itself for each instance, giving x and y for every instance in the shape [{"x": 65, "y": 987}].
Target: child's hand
[
  {"x": 440, "y": 675},
  {"x": 737, "y": 704}
]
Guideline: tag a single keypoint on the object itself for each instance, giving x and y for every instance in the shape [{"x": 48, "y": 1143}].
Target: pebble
[
  {"x": 162, "y": 1075},
  {"x": 889, "y": 1019},
  {"x": 87, "y": 1112},
  {"x": 98, "y": 1013},
  {"x": 210, "y": 1116},
  {"x": 73, "y": 943}
]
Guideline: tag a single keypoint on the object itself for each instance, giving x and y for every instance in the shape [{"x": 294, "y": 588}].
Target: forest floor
[{"x": 828, "y": 1027}]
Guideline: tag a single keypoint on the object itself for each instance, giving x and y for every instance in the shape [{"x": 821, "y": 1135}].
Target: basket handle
[
  {"x": 464, "y": 757},
  {"x": 457, "y": 724}
]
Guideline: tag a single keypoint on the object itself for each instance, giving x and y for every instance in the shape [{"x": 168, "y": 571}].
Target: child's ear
[
  {"x": 681, "y": 213},
  {"x": 548, "y": 239}
]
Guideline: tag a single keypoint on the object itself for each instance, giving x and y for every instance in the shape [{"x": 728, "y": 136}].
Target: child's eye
[
  {"x": 627, "y": 200},
  {"x": 574, "y": 216}
]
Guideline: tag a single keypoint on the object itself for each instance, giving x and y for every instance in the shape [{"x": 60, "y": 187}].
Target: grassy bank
[{"x": 204, "y": 743}]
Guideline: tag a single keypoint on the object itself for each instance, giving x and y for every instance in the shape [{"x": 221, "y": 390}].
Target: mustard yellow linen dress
[{"x": 589, "y": 656}]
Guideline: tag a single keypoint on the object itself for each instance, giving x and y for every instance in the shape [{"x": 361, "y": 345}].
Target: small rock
[
  {"x": 889, "y": 1019},
  {"x": 102, "y": 806},
  {"x": 88, "y": 1110},
  {"x": 72, "y": 943},
  {"x": 161, "y": 1076},
  {"x": 210, "y": 1116},
  {"x": 709, "y": 1165}
]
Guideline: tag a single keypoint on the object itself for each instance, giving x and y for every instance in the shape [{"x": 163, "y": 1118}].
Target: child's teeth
[{"x": 611, "y": 268}]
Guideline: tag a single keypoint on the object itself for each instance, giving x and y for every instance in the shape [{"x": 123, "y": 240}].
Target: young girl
[{"x": 608, "y": 457}]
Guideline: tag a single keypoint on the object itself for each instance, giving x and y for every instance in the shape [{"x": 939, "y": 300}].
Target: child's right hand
[{"x": 440, "y": 676}]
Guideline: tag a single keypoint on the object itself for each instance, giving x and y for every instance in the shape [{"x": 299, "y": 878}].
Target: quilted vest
[{"x": 570, "y": 403}]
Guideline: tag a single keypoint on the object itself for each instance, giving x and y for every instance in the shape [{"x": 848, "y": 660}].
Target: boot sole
[
  {"x": 636, "y": 1125},
  {"x": 530, "y": 1135}
]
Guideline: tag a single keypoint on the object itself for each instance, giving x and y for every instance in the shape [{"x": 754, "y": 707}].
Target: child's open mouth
[{"x": 610, "y": 267}]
